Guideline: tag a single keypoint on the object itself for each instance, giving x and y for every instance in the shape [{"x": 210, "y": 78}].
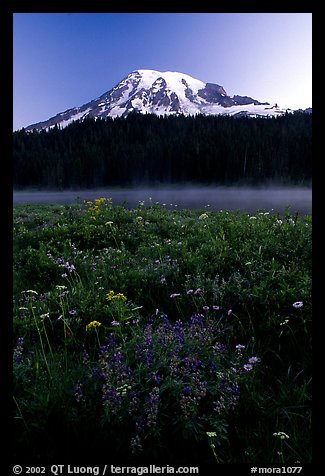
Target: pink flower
[
  {"x": 248, "y": 367},
  {"x": 253, "y": 360}
]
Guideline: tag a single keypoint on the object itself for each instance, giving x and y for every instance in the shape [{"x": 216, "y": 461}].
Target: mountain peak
[{"x": 161, "y": 93}]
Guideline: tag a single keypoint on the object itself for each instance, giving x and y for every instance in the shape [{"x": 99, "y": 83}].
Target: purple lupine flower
[
  {"x": 179, "y": 331},
  {"x": 151, "y": 407},
  {"x": 18, "y": 351},
  {"x": 192, "y": 363},
  {"x": 135, "y": 444},
  {"x": 144, "y": 350},
  {"x": 237, "y": 390},
  {"x": 175, "y": 295},
  {"x": 196, "y": 319},
  {"x": 97, "y": 374},
  {"x": 78, "y": 393},
  {"x": 187, "y": 390},
  {"x": 85, "y": 357},
  {"x": 111, "y": 398},
  {"x": 156, "y": 378},
  {"x": 219, "y": 348}
]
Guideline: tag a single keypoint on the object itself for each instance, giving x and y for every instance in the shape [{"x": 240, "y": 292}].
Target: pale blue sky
[{"x": 64, "y": 60}]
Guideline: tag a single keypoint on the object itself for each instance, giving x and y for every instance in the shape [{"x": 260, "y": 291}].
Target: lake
[{"x": 249, "y": 199}]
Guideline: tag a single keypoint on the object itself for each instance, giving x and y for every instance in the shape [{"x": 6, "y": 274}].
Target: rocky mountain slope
[{"x": 162, "y": 93}]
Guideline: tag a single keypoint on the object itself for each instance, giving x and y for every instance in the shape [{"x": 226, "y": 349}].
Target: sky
[{"x": 64, "y": 60}]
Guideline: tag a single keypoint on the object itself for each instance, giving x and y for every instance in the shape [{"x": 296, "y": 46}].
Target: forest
[{"x": 150, "y": 150}]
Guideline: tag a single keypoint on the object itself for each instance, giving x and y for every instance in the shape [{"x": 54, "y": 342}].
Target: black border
[{"x": 7, "y": 9}]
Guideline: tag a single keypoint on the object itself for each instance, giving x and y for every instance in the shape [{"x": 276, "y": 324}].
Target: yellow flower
[
  {"x": 92, "y": 324},
  {"x": 99, "y": 201},
  {"x": 112, "y": 295},
  {"x": 109, "y": 295}
]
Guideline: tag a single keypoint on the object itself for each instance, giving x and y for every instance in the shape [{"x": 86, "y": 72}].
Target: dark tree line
[{"x": 147, "y": 149}]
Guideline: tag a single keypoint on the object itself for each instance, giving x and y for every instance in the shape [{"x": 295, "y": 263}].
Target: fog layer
[{"x": 273, "y": 199}]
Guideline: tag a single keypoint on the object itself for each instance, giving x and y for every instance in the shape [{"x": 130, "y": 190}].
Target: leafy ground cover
[{"x": 150, "y": 334}]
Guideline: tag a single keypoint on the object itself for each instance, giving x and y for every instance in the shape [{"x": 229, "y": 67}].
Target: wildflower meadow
[{"x": 161, "y": 335}]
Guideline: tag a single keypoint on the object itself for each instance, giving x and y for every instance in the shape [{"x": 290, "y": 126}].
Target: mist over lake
[{"x": 248, "y": 199}]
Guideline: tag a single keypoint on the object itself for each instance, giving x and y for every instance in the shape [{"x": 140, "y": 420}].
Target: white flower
[
  {"x": 297, "y": 304},
  {"x": 240, "y": 347},
  {"x": 281, "y": 435},
  {"x": 284, "y": 322},
  {"x": 43, "y": 316}
]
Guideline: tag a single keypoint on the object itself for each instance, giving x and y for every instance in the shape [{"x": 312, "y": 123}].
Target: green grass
[{"x": 150, "y": 376}]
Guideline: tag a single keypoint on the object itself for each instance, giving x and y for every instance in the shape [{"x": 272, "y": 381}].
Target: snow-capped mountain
[{"x": 162, "y": 93}]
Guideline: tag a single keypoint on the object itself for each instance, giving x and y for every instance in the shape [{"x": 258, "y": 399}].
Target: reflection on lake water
[{"x": 273, "y": 199}]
